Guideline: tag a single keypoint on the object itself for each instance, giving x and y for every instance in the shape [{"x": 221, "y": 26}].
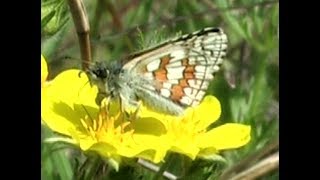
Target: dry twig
[
  {"x": 251, "y": 161},
  {"x": 81, "y": 23}
]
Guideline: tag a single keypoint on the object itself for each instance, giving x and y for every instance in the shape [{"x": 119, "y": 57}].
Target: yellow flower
[
  {"x": 69, "y": 108},
  {"x": 44, "y": 70},
  {"x": 189, "y": 135}
]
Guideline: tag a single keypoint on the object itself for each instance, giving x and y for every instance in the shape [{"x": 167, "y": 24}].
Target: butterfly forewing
[{"x": 181, "y": 69}]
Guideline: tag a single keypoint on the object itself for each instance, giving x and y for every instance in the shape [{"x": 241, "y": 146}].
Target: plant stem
[{"x": 81, "y": 23}]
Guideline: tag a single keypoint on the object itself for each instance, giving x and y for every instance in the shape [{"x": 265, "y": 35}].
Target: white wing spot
[
  {"x": 201, "y": 58},
  {"x": 152, "y": 88},
  {"x": 175, "y": 76},
  {"x": 192, "y": 60},
  {"x": 223, "y": 46},
  {"x": 167, "y": 85},
  {"x": 224, "y": 38},
  {"x": 194, "y": 83},
  {"x": 202, "y": 75},
  {"x": 198, "y": 41},
  {"x": 216, "y": 53},
  {"x": 173, "y": 81},
  {"x": 178, "y": 54},
  {"x": 190, "y": 92},
  {"x": 208, "y": 76},
  {"x": 148, "y": 75},
  {"x": 216, "y": 68},
  {"x": 186, "y": 100},
  {"x": 153, "y": 65},
  {"x": 200, "y": 95},
  {"x": 207, "y": 52},
  {"x": 200, "y": 68},
  {"x": 175, "y": 73},
  {"x": 197, "y": 48},
  {"x": 174, "y": 64},
  {"x": 165, "y": 92},
  {"x": 209, "y": 39},
  {"x": 212, "y": 47},
  {"x": 195, "y": 102},
  {"x": 219, "y": 61},
  {"x": 192, "y": 53},
  {"x": 205, "y": 85},
  {"x": 187, "y": 91}
]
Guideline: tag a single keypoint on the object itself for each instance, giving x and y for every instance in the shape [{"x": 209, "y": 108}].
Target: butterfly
[{"x": 167, "y": 78}]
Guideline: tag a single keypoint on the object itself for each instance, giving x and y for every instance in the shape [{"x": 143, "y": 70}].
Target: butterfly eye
[{"x": 101, "y": 72}]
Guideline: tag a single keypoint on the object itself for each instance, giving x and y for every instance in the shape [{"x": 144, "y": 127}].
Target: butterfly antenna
[
  {"x": 85, "y": 109},
  {"x": 83, "y": 62},
  {"x": 78, "y": 59},
  {"x": 82, "y": 86},
  {"x": 86, "y": 71}
]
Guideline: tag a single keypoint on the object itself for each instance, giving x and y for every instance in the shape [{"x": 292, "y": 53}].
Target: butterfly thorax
[
  {"x": 106, "y": 77},
  {"x": 114, "y": 82}
]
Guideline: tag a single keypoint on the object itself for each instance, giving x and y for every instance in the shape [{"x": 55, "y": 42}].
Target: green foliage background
[{"x": 247, "y": 86}]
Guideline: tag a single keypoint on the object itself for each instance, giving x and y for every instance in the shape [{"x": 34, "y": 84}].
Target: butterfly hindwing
[{"x": 181, "y": 69}]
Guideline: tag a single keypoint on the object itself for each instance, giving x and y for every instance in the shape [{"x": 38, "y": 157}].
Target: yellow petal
[
  {"x": 44, "y": 69},
  {"x": 156, "y": 156},
  {"x": 206, "y": 113},
  {"x": 105, "y": 149},
  {"x": 84, "y": 141},
  {"x": 66, "y": 100},
  {"x": 149, "y": 126},
  {"x": 151, "y": 147},
  {"x": 187, "y": 149},
  {"x": 227, "y": 136}
]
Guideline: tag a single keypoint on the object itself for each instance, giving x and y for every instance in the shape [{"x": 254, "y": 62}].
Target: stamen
[
  {"x": 94, "y": 125},
  {"x": 92, "y": 132},
  {"x": 84, "y": 124},
  {"x": 100, "y": 124}
]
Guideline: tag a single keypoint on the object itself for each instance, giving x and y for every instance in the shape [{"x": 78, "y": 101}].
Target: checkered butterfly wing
[{"x": 183, "y": 67}]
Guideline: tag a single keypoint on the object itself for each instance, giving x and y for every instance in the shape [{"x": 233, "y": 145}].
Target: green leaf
[
  {"x": 232, "y": 20},
  {"x": 214, "y": 157},
  {"x": 114, "y": 162},
  {"x": 45, "y": 20},
  {"x": 50, "y": 45},
  {"x": 55, "y": 162}
]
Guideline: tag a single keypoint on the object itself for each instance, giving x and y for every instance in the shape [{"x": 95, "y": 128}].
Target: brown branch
[
  {"x": 134, "y": 3},
  {"x": 130, "y": 5},
  {"x": 263, "y": 167},
  {"x": 116, "y": 19},
  {"x": 156, "y": 168},
  {"x": 97, "y": 17},
  {"x": 172, "y": 21},
  {"x": 81, "y": 23},
  {"x": 250, "y": 160}
]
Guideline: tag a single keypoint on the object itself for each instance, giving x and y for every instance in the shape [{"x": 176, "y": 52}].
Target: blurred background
[{"x": 247, "y": 85}]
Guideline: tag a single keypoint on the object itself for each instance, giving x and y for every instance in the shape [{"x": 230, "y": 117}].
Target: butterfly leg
[
  {"x": 100, "y": 97},
  {"x": 122, "y": 103},
  {"x": 129, "y": 102}
]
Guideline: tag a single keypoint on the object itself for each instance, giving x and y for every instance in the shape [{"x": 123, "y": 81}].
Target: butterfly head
[
  {"x": 99, "y": 71},
  {"x": 105, "y": 76}
]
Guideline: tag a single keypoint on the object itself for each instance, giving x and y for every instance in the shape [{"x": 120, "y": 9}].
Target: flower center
[{"x": 107, "y": 127}]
